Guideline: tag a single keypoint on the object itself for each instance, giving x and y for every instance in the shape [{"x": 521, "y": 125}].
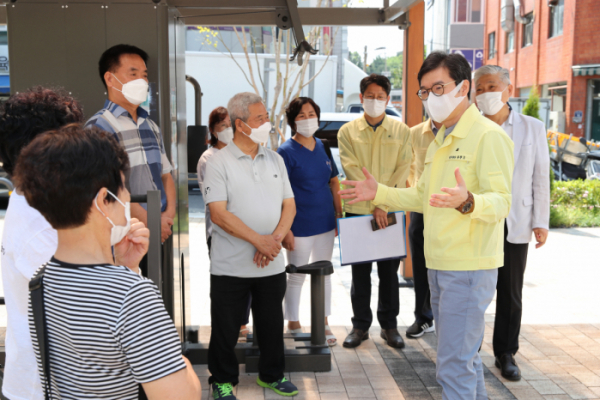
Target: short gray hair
[
  {"x": 238, "y": 106},
  {"x": 502, "y": 73}
]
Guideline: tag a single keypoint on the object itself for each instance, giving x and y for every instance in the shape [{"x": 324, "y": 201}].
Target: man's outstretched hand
[
  {"x": 454, "y": 197},
  {"x": 360, "y": 190}
]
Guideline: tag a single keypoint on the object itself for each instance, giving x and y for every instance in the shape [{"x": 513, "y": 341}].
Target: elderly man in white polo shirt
[
  {"x": 252, "y": 207},
  {"x": 530, "y": 211}
]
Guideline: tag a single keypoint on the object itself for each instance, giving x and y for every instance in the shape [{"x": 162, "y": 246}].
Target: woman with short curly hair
[{"x": 28, "y": 240}]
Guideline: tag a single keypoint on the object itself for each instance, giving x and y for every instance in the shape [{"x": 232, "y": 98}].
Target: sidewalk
[{"x": 560, "y": 339}]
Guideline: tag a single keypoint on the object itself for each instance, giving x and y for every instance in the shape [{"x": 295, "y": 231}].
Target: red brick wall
[
  {"x": 587, "y": 32},
  {"x": 549, "y": 60},
  {"x": 586, "y": 50},
  {"x": 492, "y": 24}
]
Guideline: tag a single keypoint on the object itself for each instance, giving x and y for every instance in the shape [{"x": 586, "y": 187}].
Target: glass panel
[
  {"x": 556, "y": 19},
  {"x": 596, "y": 87},
  {"x": 460, "y": 11},
  {"x": 528, "y": 33},
  {"x": 492, "y": 45},
  {"x": 331, "y": 125},
  {"x": 476, "y": 11},
  {"x": 510, "y": 42}
]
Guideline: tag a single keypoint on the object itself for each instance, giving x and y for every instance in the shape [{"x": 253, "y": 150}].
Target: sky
[{"x": 391, "y": 38}]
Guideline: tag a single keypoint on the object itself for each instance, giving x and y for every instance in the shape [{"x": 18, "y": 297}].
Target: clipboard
[{"x": 358, "y": 242}]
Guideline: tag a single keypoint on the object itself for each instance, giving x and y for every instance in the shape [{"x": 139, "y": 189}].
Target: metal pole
[
  {"x": 197, "y": 99},
  {"x": 154, "y": 249},
  {"x": 317, "y": 310}
]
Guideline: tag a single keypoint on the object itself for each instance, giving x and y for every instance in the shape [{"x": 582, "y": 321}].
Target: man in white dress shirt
[{"x": 530, "y": 211}]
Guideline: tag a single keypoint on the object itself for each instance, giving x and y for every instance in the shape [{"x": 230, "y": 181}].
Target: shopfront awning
[{"x": 586, "y": 70}]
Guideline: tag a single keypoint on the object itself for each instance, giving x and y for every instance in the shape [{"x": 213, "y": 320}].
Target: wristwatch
[{"x": 468, "y": 205}]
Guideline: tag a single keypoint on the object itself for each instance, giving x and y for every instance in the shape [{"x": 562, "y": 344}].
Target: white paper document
[{"x": 359, "y": 243}]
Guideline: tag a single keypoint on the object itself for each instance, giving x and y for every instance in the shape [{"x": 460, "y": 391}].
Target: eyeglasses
[{"x": 437, "y": 90}]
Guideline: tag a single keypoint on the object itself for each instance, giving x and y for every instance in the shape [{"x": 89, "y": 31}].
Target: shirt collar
[
  {"x": 433, "y": 128},
  {"x": 461, "y": 128},
  {"x": 239, "y": 153},
  {"x": 446, "y": 132},
  {"x": 385, "y": 123},
  {"x": 117, "y": 110},
  {"x": 509, "y": 120}
]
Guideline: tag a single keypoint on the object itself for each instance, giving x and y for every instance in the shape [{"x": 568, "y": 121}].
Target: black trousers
[
  {"x": 388, "y": 307},
  {"x": 509, "y": 306},
  {"x": 229, "y": 296},
  {"x": 423, "y": 311},
  {"x": 247, "y": 319}
]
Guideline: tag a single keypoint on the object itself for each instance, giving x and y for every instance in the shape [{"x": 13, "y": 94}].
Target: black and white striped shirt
[{"x": 108, "y": 331}]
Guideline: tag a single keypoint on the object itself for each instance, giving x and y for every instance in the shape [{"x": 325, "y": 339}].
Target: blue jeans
[{"x": 459, "y": 300}]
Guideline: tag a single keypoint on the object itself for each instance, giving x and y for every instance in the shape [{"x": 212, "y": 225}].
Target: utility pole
[{"x": 365, "y": 60}]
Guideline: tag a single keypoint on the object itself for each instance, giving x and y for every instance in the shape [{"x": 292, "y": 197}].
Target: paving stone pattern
[
  {"x": 560, "y": 339},
  {"x": 559, "y": 351}
]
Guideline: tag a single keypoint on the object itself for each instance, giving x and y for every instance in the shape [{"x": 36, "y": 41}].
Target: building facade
[
  {"x": 553, "y": 45},
  {"x": 456, "y": 26}
]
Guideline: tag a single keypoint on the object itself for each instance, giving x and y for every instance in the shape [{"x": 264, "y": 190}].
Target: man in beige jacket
[{"x": 383, "y": 145}]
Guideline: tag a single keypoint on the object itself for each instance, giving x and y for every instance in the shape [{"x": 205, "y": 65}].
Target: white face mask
[
  {"x": 260, "y": 134},
  {"x": 136, "y": 91},
  {"x": 441, "y": 107},
  {"x": 426, "y": 108},
  {"x": 374, "y": 108},
  {"x": 490, "y": 103},
  {"x": 118, "y": 232},
  {"x": 225, "y": 135},
  {"x": 307, "y": 127}
]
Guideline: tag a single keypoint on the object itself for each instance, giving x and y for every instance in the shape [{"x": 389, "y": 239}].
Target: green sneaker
[
  {"x": 282, "y": 387},
  {"x": 223, "y": 391}
]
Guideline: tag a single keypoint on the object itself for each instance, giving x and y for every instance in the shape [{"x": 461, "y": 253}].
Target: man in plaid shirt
[{"x": 123, "y": 72}]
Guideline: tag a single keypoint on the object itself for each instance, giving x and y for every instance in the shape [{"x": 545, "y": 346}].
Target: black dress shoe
[
  {"x": 393, "y": 338},
  {"x": 508, "y": 366},
  {"x": 355, "y": 338}
]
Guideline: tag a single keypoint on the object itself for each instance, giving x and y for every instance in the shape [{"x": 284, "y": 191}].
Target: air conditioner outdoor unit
[{"x": 557, "y": 121}]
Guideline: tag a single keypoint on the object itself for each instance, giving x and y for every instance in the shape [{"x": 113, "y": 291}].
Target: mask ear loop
[
  {"x": 115, "y": 87},
  {"x": 96, "y": 202}
]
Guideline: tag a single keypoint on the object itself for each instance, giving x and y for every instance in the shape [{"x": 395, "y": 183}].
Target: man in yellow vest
[
  {"x": 465, "y": 196},
  {"x": 383, "y": 144}
]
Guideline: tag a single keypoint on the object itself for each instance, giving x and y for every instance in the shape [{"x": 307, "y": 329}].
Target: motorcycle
[
  {"x": 574, "y": 159},
  {"x": 590, "y": 161}
]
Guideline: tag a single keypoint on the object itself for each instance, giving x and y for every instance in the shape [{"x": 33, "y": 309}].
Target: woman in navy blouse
[{"x": 313, "y": 176}]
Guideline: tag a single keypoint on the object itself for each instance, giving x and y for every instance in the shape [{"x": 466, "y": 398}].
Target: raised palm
[{"x": 360, "y": 190}]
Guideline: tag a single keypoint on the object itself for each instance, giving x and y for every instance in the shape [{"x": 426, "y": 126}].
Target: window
[
  {"x": 475, "y": 11},
  {"x": 329, "y": 130},
  {"x": 528, "y": 31},
  {"x": 556, "y": 19},
  {"x": 510, "y": 42},
  {"x": 491, "y": 45},
  {"x": 460, "y": 10},
  {"x": 468, "y": 11}
]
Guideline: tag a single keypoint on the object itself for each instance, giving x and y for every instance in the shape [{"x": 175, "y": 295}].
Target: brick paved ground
[{"x": 560, "y": 340}]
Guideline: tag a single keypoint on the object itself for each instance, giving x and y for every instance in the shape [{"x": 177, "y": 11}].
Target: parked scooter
[
  {"x": 590, "y": 161},
  {"x": 566, "y": 160}
]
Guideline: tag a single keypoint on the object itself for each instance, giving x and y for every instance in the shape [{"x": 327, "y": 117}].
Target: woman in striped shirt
[{"x": 107, "y": 328}]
